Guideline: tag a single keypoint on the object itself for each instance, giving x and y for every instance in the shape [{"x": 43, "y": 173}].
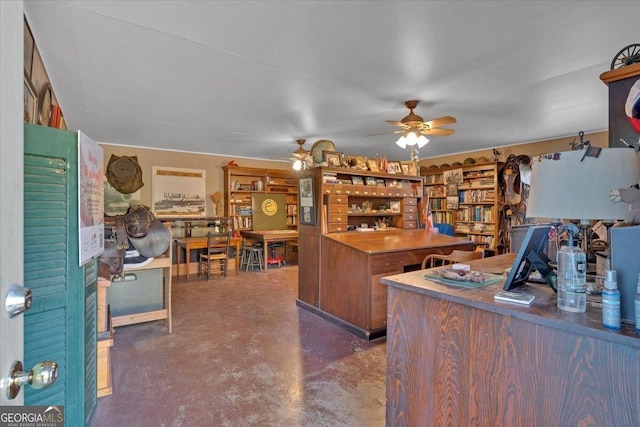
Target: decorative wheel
[{"x": 627, "y": 56}]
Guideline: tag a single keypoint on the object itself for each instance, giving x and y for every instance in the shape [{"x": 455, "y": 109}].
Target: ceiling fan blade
[
  {"x": 383, "y": 133},
  {"x": 438, "y": 132},
  {"x": 440, "y": 121},
  {"x": 397, "y": 123}
]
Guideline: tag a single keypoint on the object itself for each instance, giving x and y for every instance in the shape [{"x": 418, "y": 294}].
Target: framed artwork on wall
[
  {"x": 307, "y": 202},
  {"x": 178, "y": 192},
  {"x": 29, "y": 49},
  {"x": 30, "y": 104}
]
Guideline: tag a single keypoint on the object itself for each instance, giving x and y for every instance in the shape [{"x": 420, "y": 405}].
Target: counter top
[
  {"x": 385, "y": 241},
  {"x": 543, "y": 310}
]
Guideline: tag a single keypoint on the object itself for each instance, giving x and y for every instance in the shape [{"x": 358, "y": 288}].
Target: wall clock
[{"x": 45, "y": 99}]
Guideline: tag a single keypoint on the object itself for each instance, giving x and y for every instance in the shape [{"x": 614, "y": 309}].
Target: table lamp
[{"x": 574, "y": 185}]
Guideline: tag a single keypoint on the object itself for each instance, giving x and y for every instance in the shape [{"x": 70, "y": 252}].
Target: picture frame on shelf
[
  {"x": 405, "y": 168},
  {"x": 30, "y": 102},
  {"x": 394, "y": 167},
  {"x": 373, "y": 165},
  {"x": 307, "y": 201},
  {"x": 332, "y": 158},
  {"x": 357, "y": 180},
  {"x": 371, "y": 181}
]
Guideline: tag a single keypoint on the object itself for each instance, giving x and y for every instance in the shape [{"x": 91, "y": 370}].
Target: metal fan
[{"x": 414, "y": 123}]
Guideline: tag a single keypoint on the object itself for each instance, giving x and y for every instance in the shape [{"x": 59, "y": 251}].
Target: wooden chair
[
  {"x": 435, "y": 260},
  {"x": 215, "y": 259}
]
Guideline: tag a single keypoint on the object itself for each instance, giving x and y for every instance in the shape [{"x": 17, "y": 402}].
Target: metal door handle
[
  {"x": 17, "y": 301},
  {"x": 42, "y": 375}
]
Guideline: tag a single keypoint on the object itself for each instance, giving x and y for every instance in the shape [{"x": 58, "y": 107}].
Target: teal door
[{"x": 61, "y": 323}]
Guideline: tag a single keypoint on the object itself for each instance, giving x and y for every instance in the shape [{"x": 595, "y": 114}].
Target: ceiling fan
[
  {"x": 300, "y": 157},
  {"x": 413, "y": 127}
]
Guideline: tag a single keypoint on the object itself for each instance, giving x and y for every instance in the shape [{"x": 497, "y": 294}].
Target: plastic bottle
[
  {"x": 637, "y": 305},
  {"x": 610, "y": 301},
  {"x": 572, "y": 279}
]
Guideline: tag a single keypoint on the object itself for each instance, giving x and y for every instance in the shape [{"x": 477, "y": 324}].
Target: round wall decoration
[
  {"x": 45, "y": 98},
  {"x": 269, "y": 207}
]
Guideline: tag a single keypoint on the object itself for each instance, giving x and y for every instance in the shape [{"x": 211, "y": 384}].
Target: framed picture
[
  {"x": 405, "y": 168},
  {"x": 307, "y": 202},
  {"x": 373, "y": 165},
  {"x": 371, "y": 181},
  {"x": 178, "y": 192},
  {"x": 357, "y": 180},
  {"x": 333, "y": 158},
  {"x": 29, "y": 49},
  {"x": 394, "y": 167},
  {"x": 29, "y": 102}
]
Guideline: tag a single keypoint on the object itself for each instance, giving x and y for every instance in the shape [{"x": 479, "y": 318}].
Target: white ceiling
[{"x": 247, "y": 79}]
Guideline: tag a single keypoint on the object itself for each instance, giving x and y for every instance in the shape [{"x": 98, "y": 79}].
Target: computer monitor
[{"x": 531, "y": 255}]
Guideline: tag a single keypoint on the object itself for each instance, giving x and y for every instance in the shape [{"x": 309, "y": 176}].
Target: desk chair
[
  {"x": 216, "y": 256},
  {"x": 435, "y": 260}
]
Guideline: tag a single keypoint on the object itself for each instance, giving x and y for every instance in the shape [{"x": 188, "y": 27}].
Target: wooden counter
[
  {"x": 456, "y": 357},
  {"x": 347, "y": 289}
]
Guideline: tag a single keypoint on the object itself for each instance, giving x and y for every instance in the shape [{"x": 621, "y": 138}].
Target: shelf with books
[{"x": 467, "y": 197}]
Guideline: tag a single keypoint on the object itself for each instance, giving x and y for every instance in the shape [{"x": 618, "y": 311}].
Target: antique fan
[
  {"x": 300, "y": 156},
  {"x": 413, "y": 127}
]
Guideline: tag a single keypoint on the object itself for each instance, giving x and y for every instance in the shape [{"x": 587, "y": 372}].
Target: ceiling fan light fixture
[
  {"x": 297, "y": 165},
  {"x": 412, "y": 138}
]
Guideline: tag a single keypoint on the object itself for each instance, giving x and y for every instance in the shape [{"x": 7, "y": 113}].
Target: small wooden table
[
  {"x": 192, "y": 243},
  {"x": 268, "y": 236}
]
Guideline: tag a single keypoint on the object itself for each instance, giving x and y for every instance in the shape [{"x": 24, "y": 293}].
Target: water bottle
[
  {"x": 572, "y": 279},
  {"x": 637, "y": 305},
  {"x": 610, "y": 301}
]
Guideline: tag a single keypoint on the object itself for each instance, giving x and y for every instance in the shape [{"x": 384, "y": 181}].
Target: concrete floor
[{"x": 243, "y": 354}]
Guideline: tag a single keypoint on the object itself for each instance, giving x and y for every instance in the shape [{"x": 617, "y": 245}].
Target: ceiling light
[
  {"x": 297, "y": 164},
  {"x": 412, "y": 138}
]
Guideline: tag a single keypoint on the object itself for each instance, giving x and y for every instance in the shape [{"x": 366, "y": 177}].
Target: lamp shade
[
  {"x": 411, "y": 138},
  {"x": 575, "y": 186}
]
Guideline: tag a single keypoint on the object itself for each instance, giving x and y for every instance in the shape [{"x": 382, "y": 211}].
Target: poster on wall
[
  {"x": 178, "y": 192},
  {"x": 90, "y": 198}
]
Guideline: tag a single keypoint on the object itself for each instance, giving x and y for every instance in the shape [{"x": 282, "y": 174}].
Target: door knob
[
  {"x": 17, "y": 300},
  {"x": 42, "y": 375}
]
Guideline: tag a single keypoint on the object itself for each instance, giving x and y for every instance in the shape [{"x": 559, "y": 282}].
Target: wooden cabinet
[
  {"x": 241, "y": 183},
  {"x": 339, "y": 272},
  {"x": 471, "y": 206},
  {"x": 162, "y": 263},
  {"x": 358, "y": 198},
  {"x": 456, "y": 357}
]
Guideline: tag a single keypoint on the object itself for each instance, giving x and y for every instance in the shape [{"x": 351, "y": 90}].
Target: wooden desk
[
  {"x": 192, "y": 243},
  {"x": 457, "y": 357},
  {"x": 268, "y": 236},
  {"x": 339, "y": 273}
]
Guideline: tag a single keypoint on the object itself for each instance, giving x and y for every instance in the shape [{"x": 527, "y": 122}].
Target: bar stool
[{"x": 251, "y": 257}]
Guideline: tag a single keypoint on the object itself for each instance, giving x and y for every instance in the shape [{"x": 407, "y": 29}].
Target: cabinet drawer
[
  {"x": 337, "y": 210},
  {"x": 338, "y": 219},
  {"x": 409, "y": 217},
  {"x": 410, "y": 225},
  {"x": 410, "y": 202},
  {"x": 410, "y": 209},
  {"x": 337, "y": 227},
  {"x": 337, "y": 199}
]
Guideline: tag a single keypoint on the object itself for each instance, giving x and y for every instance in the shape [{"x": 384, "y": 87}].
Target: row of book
[
  {"x": 476, "y": 213},
  {"x": 477, "y": 196}
]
